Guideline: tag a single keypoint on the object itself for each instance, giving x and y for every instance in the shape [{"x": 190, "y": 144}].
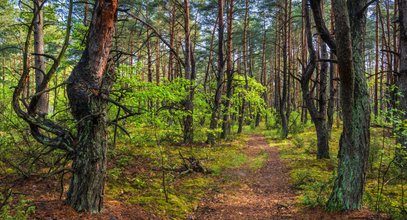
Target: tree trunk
[
  {"x": 229, "y": 73},
  {"x": 42, "y": 105},
  {"x": 219, "y": 77},
  {"x": 376, "y": 76},
  {"x": 402, "y": 81},
  {"x": 318, "y": 114},
  {"x": 354, "y": 143},
  {"x": 87, "y": 87},
  {"x": 243, "y": 107},
  {"x": 189, "y": 75},
  {"x": 283, "y": 102}
]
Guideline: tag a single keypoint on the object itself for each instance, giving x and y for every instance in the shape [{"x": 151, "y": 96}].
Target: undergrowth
[
  {"x": 149, "y": 175},
  {"x": 385, "y": 186}
]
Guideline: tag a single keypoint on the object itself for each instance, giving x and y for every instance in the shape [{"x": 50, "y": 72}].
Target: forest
[{"x": 203, "y": 109}]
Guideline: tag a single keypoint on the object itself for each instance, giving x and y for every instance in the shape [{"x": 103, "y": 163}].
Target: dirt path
[{"x": 263, "y": 194}]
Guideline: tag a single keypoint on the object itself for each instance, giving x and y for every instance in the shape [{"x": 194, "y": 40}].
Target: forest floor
[
  {"x": 265, "y": 193},
  {"x": 257, "y": 189}
]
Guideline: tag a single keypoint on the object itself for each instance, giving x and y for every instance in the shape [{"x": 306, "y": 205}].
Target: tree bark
[
  {"x": 229, "y": 74},
  {"x": 43, "y": 101},
  {"x": 318, "y": 114},
  {"x": 189, "y": 75},
  {"x": 219, "y": 77},
  {"x": 354, "y": 143},
  {"x": 283, "y": 101},
  {"x": 402, "y": 80},
  {"x": 88, "y": 86},
  {"x": 245, "y": 26}
]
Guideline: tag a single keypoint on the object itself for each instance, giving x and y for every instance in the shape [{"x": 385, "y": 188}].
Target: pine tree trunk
[
  {"x": 283, "y": 102},
  {"x": 42, "y": 105},
  {"x": 219, "y": 77},
  {"x": 229, "y": 74},
  {"x": 87, "y": 86},
  {"x": 354, "y": 143},
  {"x": 402, "y": 81},
  {"x": 189, "y": 75},
  {"x": 243, "y": 107}
]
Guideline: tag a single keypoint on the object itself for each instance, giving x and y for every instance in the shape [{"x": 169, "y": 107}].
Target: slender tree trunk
[
  {"x": 189, "y": 107},
  {"x": 209, "y": 67},
  {"x": 87, "y": 86},
  {"x": 402, "y": 80},
  {"x": 283, "y": 102},
  {"x": 219, "y": 77},
  {"x": 172, "y": 40},
  {"x": 157, "y": 62},
  {"x": 318, "y": 113},
  {"x": 246, "y": 21},
  {"x": 376, "y": 76},
  {"x": 42, "y": 105},
  {"x": 229, "y": 74}
]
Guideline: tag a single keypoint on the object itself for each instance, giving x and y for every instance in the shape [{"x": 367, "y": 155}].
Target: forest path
[{"x": 264, "y": 193}]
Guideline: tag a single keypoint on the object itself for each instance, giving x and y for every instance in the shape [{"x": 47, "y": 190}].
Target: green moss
[
  {"x": 259, "y": 161},
  {"x": 136, "y": 175}
]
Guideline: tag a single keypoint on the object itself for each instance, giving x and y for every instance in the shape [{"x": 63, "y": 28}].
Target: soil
[{"x": 264, "y": 194}]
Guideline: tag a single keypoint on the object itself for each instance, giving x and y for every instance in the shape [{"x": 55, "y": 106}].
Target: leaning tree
[{"x": 88, "y": 90}]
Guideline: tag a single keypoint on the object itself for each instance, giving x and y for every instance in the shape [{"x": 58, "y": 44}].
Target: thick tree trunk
[
  {"x": 87, "y": 88},
  {"x": 354, "y": 143},
  {"x": 219, "y": 77},
  {"x": 42, "y": 105}
]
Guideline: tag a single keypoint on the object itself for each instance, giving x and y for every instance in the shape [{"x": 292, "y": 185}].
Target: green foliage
[
  {"x": 298, "y": 141},
  {"x": 20, "y": 209}
]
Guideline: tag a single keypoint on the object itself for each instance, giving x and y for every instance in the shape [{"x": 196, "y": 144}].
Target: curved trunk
[{"x": 88, "y": 86}]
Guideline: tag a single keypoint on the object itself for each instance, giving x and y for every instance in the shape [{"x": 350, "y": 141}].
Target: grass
[{"x": 138, "y": 172}]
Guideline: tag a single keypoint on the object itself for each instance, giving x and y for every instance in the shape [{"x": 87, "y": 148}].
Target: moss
[
  {"x": 259, "y": 161},
  {"x": 136, "y": 176}
]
